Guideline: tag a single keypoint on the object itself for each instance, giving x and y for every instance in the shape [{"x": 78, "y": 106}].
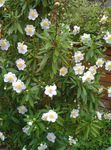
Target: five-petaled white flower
[
  {"x": 2, "y": 137},
  {"x": 33, "y": 14},
  {"x": 18, "y": 86},
  {"x": 107, "y": 38},
  {"x": 45, "y": 24},
  {"x": 93, "y": 69},
  {"x": 22, "y": 48},
  {"x": 63, "y": 71},
  {"x": 50, "y": 90},
  {"x": 20, "y": 63},
  {"x": 78, "y": 69},
  {"x": 74, "y": 113},
  {"x": 2, "y": 2},
  {"x": 86, "y": 38},
  {"x": 76, "y": 30},
  {"x": 100, "y": 62},
  {"x": 51, "y": 137},
  {"x": 87, "y": 77},
  {"x": 42, "y": 146},
  {"x": 30, "y": 30},
  {"x": 50, "y": 116},
  {"x": 108, "y": 65},
  {"x": 78, "y": 56},
  {"x": 22, "y": 109},
  {"x": 10, "y": 77},
  {"x": 103, "y": 19},
  {"x": 4, "y": 44}
]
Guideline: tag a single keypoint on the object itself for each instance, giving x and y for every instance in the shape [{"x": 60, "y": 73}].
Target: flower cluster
[{"x": 17, "y": 84}]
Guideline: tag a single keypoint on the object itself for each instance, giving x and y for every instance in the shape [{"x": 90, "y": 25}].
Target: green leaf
[
  {"x": 43, "y": 63},
  {"x": 19, "y": 28}
]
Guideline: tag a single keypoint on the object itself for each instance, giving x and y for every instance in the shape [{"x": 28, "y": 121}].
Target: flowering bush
[{"x": 50, "y": 78}]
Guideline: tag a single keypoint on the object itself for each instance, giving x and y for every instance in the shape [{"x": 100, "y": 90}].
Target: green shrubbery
[{"x": 51, "y": 55}]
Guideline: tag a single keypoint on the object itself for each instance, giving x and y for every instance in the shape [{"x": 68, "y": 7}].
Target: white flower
[
  {"x": 100, "y": 89},
  {"x": 78, "y": 56},
  {"x": 33, "y": 14},
  {"x": 74, "y": 113},
  {"x": 22, "y": 109},
  {"x": 22, "y": 48},
  {"x": 63, "y": 71},
  {"x": 109, "y": 92},
  {"x": 108, "y": 65},
  {"x": 45, "y": 24},
  {"x": 10, "y": 77},
  {"x": 24, "y": 148},
  {"x": 99, "y": 115},
  {"x": 86, "y": 38},
  {"x": 51, "y": 137},
  {"x": 18, "y": 86},
  {"x": 50, "y": 116},
  {"x": 79, "y": 69},
  {"x": 103, "y": 19},
  {"x": 87, "y": 77},
  {"x": 2, "y": 137},
  {"x": 100, "y": 62},
  {"x": 42, "y": 146},
  {"x": 107, "y": 38},
  {"x": 30, "y": 30},
  {"x": 76, "y": 30},
  {"x": 44, "y": 116},
  {"x": 72, "y": 141},
  {"x": 93, "y": 69},
  {"x": 2, "y": 2},
  {"x": 4, "y": 44},
  {"x": 107, "y": 116},
  {"x": 50, "y": 90},
  {"x": 20, "y": 63},
  {"x": 26, "y": 130}
]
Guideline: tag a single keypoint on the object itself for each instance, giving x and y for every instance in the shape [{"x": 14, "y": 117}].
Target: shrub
[{"x": 50, "y": 75}]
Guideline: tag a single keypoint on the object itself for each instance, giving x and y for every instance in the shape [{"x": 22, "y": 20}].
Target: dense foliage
[{"x": 52, "y": 59}]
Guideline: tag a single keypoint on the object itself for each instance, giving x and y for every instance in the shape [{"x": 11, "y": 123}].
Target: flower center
[
  {"x": 10, "y": 78},
  {"x": 109, "y": 38},
  {"x": 52, "y": 116},
  {"x": 3, "y": 44},
  {"x": 50, "y": 91},
  {"x": 33, "y": 14},
  {"x": 20, "y": 65},
  {"x": 29, "y": 30},
  {"x": 46, "y": 24},
  {"x": 19, "y": 86}
]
